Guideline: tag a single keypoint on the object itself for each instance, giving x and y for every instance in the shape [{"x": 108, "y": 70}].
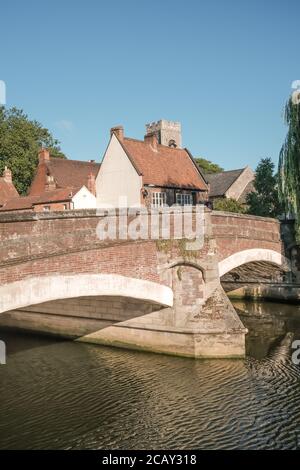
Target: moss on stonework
[{"x": 166, "y": 246}]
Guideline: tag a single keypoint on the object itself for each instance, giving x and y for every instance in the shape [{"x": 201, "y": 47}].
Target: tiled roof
[
  {"x": 19, "y": 203},
  {"x": 27, "y": 202},
  {"x": 7, "y": 191},
  {"x": 221, "y": 182},
  {"x": 56, "y": 195},
  {"x": 72, "y": 173},
  {"x": 66, "y": 173},
  {"x": 163, "y": 166}
]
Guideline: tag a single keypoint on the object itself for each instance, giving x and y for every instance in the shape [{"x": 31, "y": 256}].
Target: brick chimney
[
  {"x": 118, "y": 131},
  {"x": 151, "y": 139},
  {"x": 50, "y": 183},
  {"x": 7, "y": 175},
  {"x": 44, "y": 155},
  {"x": 91, "y": 185}
]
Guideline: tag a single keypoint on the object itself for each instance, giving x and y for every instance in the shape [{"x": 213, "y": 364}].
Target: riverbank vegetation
[{"x": 289, "y": 162}]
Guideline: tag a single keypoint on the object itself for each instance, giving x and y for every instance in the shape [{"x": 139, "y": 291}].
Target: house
[
  {"x": 7, "y": 188},
  {"x": 60, "y": 173},
  {"x": 63, "y": 184},
  {"x": 55, "y": 200},
  {"x": 59, "y": 184},
  {"x": 153, "y": 172},
  {"x": 233, "y": 184}
]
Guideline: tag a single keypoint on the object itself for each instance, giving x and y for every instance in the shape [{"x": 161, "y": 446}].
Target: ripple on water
[{"x": 74, "y": 396}]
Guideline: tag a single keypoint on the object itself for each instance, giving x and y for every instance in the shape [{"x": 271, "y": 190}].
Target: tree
[
  {"x": 228, "y": 205},
  {"x": 264, "y": 200},
  {"x": 207, "y": 166},
  {"x": 20, "y": 140},
  {"x": 289, "y": 162}
]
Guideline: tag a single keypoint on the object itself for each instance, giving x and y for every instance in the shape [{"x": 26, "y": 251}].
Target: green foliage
[
  {"x": 20, "y": 140},
  {"x": 228, "y": 205},
  {"x": 289, "y": 165},
  {"x": 264, "y": 200},
  {"x": 207, "y": 166}
]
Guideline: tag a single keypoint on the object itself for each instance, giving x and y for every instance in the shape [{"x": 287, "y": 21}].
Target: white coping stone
[
  {"x": 35, "y": 290},
  {"x": 254, "y": 254}
]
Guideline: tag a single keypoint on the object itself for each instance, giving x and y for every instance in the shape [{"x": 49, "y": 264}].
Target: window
[
  {"x": 184, "y": 199},
  {"x": 46, "y": 208},
  {"x": 159, "y": 199},
  {"x": 65, "y": 207}
]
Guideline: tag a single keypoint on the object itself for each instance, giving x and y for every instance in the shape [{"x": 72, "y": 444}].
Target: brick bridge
[{"x": 58, "y": 277}]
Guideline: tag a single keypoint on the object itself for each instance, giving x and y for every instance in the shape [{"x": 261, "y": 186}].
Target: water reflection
[
  {"x": 267, "y": 323},
  {"x": 73, "y": 396}
]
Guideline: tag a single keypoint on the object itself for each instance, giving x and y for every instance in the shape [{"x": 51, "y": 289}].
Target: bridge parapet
[
  {"x": 68, "y": 242},
  {"x": 200, "y": 323},
  {"x": 238, "y": 232}
]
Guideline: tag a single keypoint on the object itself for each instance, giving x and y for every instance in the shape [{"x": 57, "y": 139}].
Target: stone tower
[{"x": 167, "y": 132}]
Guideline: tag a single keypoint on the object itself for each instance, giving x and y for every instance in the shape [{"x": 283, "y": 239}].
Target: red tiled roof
[
  {"x": 163, "y": 166},
  {"x": 56, "y": 195},
  {"x": 19, "y": 203},
  {"x": 7, "y": 191},
  {"x": 72, "y": 173},
  {"x": 27, "y": 202},
  {"x": 66, "y": 173}
]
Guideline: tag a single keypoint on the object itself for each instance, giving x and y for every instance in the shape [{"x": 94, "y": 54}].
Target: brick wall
[
  {"x": 37, "y": 244},
  {"x": 237, "y": 232},
  {"x": 53, "y": 206}
]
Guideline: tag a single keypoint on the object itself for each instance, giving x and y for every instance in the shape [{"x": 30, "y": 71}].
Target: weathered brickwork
[
  {"x": 34, "y": 245},
  {"x": 238, "y": 232},
  {"x": 67, "y": 243},
  {"x": 138, "y": 261},
  {"x": 53, "y": 206}
]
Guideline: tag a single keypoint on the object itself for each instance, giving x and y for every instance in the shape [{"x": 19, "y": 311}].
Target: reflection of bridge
[{"x": 57, "y": 277}]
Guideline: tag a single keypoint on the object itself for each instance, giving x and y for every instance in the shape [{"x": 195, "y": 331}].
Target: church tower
[{"x": 167, "y": 132}]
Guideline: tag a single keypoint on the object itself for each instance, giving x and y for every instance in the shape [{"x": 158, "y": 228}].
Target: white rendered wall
[
  {"x": 117, "y": 184},
  {"x": 84, "y": 199}
]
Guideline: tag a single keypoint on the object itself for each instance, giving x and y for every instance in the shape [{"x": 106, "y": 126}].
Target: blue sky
[{"x": 223, "y": 68}]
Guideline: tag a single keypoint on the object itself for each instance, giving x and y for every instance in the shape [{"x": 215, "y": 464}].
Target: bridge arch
[
  {"x": 183, "y": 262},
  {"x": 36, "y": 290},
  {"x": 251, "y": 255}
]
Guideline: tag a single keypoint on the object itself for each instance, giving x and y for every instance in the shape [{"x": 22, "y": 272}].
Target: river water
[{"x": 65, "y": 395}]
